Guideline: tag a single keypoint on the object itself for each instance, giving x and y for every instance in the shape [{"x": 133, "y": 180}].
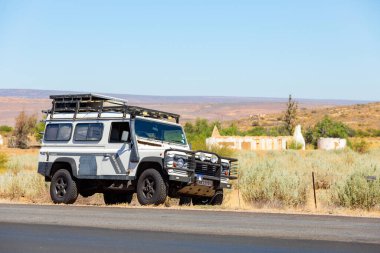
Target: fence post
[{"x": 315, "y": 195}]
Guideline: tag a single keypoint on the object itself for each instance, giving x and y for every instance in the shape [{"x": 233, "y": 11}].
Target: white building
[
  {"x": 331, "y": 143},
  {"x": 248, "y": 142}
]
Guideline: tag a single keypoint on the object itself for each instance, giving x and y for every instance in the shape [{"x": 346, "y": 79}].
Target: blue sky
[{"x": 311, "y": 49}]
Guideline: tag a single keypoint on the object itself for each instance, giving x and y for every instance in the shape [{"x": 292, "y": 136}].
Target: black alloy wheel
[
  {"x": 151, "y": 188},
  {"x": 63, "y": 189}
]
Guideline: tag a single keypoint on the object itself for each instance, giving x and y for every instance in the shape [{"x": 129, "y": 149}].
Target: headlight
[
  {"x": 179, "y": 163},
  {"x": 214, "y": 159},
  {"x": 176, "y": 161},
  {"x": 202, "y": 156}
]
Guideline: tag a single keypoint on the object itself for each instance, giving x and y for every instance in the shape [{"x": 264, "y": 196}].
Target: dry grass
[{"x": 20, "y": 180}]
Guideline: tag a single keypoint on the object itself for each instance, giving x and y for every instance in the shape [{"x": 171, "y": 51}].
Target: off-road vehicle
[{"x": 99, "y": 144}]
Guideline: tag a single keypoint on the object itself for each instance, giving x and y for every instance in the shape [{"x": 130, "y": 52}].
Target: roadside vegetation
[
  {"x": 19, "y": 179},
  {"x": 283, "y": 178}
]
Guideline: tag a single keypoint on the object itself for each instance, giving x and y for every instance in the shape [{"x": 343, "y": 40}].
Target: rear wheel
[
  {"x": 63, "y": 189},
  {"x": 215, "y": 200},
  {"x": 200, "y": 201},
  {"x": 184, "y": 201},
  {"x": 117, "y": 198},
  {"x": 151, "y": 188}
]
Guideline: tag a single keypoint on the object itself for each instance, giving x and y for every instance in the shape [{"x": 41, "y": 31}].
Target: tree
[
  {"x": 25, "y": 125},
  {"x": 290, "y": 115}
]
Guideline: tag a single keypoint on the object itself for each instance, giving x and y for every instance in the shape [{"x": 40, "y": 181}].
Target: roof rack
[{"x": 76, "y": 103}]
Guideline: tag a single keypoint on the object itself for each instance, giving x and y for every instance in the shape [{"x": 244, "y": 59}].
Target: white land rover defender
[{"x": 99, "y": 144}]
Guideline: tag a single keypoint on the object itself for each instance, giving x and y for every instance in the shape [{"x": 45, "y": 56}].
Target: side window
[
  {"x": 116, "y": 132},
  {"x": 58, "y": 132},
  {"x": 88, "y": 132}
]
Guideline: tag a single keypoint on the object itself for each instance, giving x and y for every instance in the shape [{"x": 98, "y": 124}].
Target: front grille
[{"x": 207, "y": 169}]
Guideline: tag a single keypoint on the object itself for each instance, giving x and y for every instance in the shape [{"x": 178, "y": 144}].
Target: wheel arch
[
  {"x": 63, "y": 163},
  {"x": 150, "y": 163}
]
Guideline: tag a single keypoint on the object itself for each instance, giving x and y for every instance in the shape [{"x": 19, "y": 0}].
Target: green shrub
[
  {"x": 294, "y": 145},
  {"x": 328, "y": 128},
  {"x": 232, "y": 130},
  {"x": 39, "y": 129},
  {"x": 269, "y": 131},
  {"x": 5, "y": 129}
]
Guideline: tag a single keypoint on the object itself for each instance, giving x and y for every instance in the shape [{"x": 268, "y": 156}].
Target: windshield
[{"x": 159, "y": 131}]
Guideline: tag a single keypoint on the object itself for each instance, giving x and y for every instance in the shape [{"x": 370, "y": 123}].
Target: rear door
[{"x": 117, "y": 152}]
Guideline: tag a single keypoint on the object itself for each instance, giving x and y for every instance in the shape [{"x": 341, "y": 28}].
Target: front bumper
[{"x": 192, "y": 173}]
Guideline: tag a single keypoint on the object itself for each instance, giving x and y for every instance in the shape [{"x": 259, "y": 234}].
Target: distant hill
[
  {"x": 358, "y": 116},
  {"x": 44, "y": 94},
  {"x": 13, "y": 101}
]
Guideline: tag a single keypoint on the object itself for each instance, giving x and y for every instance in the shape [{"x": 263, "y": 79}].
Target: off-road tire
[
  {"x": 111, "y": 198},
  {"x": 151, "y": 188},
  {"x": 63, "y": 189},
  {"x": 217, "y": 199},
  {"x": 201, "y": 201},
  {"x": 184, "y": 201}
]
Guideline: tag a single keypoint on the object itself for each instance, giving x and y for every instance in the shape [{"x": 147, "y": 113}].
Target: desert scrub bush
[
  {"x": 3, "y": 161},
  {"x": 24, "y": 184},
  {"x": 360, "y": 146},
  {"x": 23, "y": 162},
  {"x": 359, "y": 192},
  {"x": 21, "y": 179},
  {"x": 222, "y": 151},
  {"x": 264, "y": 183},
  {"x": 285, "y": 176}
]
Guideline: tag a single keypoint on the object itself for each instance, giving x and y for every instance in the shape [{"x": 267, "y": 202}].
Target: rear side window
[
  {"x": 88, "y": 132},
  {"x": 117, "y": 129},
  {"x": 58, "y": 132}
]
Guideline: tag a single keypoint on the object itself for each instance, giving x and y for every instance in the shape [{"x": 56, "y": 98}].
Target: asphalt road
[{"x": 32, "y": 228}]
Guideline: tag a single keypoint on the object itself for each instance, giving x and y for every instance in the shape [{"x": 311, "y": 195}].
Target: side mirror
[{"x": 125, "y": 136}]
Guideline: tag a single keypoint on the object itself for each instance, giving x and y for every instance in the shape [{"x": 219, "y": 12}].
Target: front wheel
[
  {"x": 63, "y": 189},
  {"x": 151, "y": 188}
]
